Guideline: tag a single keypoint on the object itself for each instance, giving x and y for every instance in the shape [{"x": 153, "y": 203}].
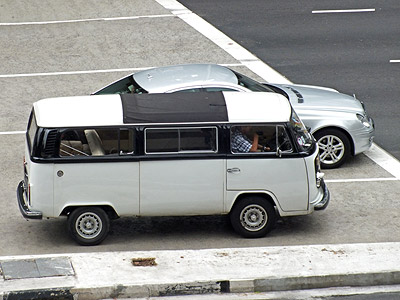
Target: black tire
[
  {"x": 334, "y": 147},
  {"x": 253, "y": 217},
  {"x": 88, "y": 226}
]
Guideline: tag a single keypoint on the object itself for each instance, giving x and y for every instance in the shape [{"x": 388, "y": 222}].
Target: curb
[{"x": 210, "y": 287}]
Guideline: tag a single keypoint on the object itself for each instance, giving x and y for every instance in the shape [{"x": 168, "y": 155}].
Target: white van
[{"x": 96, "y": 158}]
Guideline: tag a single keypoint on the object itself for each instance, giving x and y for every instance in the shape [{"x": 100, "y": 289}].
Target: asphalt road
[
  {"x": 58, "y": 48},
  {"x": 349, "y": 51}
]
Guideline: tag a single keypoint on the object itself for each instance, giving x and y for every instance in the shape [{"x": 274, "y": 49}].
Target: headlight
[{"x": 364, "y": 120}]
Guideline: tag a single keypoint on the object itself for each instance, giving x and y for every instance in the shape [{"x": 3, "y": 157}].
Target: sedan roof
[{"x": 159, "y": 80}]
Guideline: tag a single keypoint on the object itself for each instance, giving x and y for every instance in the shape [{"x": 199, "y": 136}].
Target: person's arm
[{"x": 254, "y": 146}]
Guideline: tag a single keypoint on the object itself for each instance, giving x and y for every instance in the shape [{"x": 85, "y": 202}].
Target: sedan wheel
[{"x": 334, "y": 148}]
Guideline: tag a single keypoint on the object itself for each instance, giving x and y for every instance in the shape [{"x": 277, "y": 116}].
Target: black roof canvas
[{"x": 181, "y": 107}]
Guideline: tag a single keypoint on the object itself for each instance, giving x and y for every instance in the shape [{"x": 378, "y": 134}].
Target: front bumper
[
  {"x": 363, "y": 138},
  {"x": 323, "y": 203},
  {"x": 23, "y": 206}
]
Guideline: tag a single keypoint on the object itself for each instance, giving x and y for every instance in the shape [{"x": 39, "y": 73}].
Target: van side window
[
  {"x": 178, "y": 140},
  {"x": 96, "y": 142},
  {"x": 32, "y": 129},
  {"x": 260, "y": 138}
]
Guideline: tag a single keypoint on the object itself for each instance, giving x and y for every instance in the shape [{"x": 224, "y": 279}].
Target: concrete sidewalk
[{"x": 185, "y": 272}]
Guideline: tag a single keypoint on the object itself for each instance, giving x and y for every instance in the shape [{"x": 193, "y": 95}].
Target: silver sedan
[{"x": 338, "y": 121}]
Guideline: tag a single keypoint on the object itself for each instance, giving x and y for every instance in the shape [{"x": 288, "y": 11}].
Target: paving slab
[{"x": 36, "y": 268}]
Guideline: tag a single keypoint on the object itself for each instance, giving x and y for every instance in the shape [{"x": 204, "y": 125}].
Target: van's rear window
[{"x": 32, "y": 129}]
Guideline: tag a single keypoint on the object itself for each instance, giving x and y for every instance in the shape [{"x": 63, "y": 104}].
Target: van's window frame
[{"x": 182, "y": 152}]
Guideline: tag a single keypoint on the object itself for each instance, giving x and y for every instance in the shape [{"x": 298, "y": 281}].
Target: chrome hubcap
[
  {"x": 253, "y": 217},
  {"x": 331, "y": 149},
  {"x": 88, "y": 225}
]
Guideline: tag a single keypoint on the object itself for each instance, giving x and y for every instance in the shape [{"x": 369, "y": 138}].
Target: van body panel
[
  {"x": 286, "y": 177},
  {"x": 313, "y": 191},
  {"x": 181, "y": 187},
  {"x": 41, "y": 187},
  {"x": 83, "y": 184}
]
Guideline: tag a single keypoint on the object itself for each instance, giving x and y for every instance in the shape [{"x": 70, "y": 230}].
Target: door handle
[{"x": 233, "y": 170}]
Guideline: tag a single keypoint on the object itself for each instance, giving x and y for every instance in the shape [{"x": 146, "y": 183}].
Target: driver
[{"x": 240, "y": 141}]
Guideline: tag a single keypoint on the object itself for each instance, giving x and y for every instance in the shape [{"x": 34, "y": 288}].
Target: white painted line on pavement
[
  {"x": 394, "y": 61},
  {"x": 335, "y": 11},
  {"x": 12, "y": 132},
  {"x": 85, "y": 20},
  {"x": 71, "y": 72},
  {"x": 384, "y": 159},
  {"x": 88, "y": 72},
  {"x": 223, "y": 41},
  {"x": 361, "y": 180}
]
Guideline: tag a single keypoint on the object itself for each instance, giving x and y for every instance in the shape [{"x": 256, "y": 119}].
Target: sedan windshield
[{"x": 123, "y": 86}]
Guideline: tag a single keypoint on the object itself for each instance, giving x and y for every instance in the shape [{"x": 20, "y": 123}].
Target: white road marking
[
  {"x": 85, "y": 20},
  {"x": 394, "y": 61},
  {"x": 384, "y": 160},
  {"x": 361, "y": 180},
  {"x": 230, "y": 46},
  {"x": 12, "y": 132},
  {"x": 335, "y": 11},
  {"x": 88, "y": 72}
]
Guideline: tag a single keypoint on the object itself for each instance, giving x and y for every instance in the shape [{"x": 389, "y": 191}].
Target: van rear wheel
[
  {"x": 88, "y": 226},
  {"x": 253, "y": 217}
]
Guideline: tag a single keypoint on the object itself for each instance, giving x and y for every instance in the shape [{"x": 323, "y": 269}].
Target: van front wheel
[
  {"x": 253, "y": 217},
  {"x": 88, "y": 226}
]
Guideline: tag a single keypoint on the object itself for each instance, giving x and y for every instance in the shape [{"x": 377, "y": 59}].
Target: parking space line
[
  {"x": 384, "y": 160},
  {"x": 12, "y": 132},
  {"x": 335, "y": 11},
  {"x": 394, "y": 61},
  {"x": 361, "y": 180},
  {"x": 85, "y": 20},
  {"x": 223, "y": 41},
  {"x": 89, "y": 72}
]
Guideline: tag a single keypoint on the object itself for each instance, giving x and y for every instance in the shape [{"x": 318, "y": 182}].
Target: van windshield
[{"x": 303, "y": 138}]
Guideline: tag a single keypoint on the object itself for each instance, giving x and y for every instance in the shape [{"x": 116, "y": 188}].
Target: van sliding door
[{"x": 181, "y": 175}]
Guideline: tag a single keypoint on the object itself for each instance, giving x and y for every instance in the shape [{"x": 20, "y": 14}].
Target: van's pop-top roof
[{"x": 175, "y": 108}]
